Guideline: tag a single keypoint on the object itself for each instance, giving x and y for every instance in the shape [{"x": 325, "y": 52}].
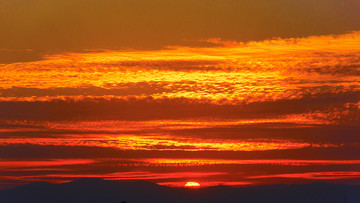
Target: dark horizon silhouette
[{"x": 99, "y": 190}]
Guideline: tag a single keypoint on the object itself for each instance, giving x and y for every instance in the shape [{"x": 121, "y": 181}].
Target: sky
[{"x": 224, "y": 92}]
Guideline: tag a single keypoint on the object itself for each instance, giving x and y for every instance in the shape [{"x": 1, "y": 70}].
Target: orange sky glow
[{"x": 281, "y": 110}]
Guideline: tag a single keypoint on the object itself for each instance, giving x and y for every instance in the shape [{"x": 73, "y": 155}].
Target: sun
[{"x": 192, "y": 185}]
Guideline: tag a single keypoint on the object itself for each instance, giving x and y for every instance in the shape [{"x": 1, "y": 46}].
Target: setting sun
[{"x": 192, "y": 184}]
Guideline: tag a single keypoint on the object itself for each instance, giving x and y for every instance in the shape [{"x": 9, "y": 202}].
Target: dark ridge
[{"x": 102, "y": 191}]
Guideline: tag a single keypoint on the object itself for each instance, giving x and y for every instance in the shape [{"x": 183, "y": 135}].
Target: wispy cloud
[{"x": 316, "y": 175}]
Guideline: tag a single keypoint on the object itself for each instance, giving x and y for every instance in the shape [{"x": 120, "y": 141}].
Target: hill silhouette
[{"x": 98, "y": 190}]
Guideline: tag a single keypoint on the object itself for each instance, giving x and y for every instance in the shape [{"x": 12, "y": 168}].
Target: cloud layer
[{"x": 214, "y": 113}]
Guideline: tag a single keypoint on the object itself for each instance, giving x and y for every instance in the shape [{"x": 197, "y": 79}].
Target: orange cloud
[
  {"x": 166, "y": 143},
  {"x": 256, "y": 71},
  {"x": 6, "y": 164},
  {"x": 316, "y": 175}
]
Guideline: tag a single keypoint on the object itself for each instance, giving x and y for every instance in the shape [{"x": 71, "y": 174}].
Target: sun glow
[{"x": 192, "y": 185}]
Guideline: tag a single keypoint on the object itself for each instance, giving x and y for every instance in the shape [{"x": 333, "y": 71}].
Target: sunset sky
[{"x": 239, "y": 93}]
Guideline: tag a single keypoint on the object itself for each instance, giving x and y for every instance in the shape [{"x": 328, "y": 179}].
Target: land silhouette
[{"x": 98, "y": 190}]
